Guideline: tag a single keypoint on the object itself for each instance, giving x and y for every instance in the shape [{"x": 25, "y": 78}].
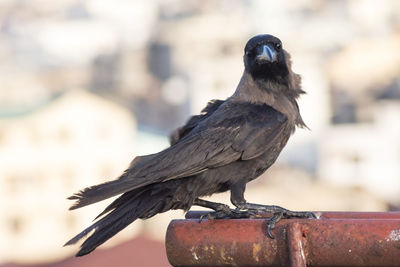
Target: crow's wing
[
  {"x": 181, "y": 132},
  {"x": 234, "y": 132}
]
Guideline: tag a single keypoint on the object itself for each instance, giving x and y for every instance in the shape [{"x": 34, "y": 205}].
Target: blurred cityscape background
[{"x": 87, "y": 85}]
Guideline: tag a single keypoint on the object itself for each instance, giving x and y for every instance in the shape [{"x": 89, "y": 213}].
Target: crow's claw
[
  {"x": 287, "y": 214},
  {"x": 271, "y": 223}
]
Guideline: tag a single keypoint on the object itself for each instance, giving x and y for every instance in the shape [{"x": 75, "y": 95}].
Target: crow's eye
[
  {"x": 278, "y": 46},
  {"x": 250, "y": 53}
]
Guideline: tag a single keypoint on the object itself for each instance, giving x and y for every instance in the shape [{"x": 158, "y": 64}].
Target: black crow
[{"x": 230, "y": 143}]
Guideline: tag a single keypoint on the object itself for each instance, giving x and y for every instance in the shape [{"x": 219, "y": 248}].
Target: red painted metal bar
[{"x": 334, "y": 239}]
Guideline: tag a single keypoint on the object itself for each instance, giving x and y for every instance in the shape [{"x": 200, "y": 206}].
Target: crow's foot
[
  {"x": 222, "y": 211},
  {"x": 278, "y": 213}
]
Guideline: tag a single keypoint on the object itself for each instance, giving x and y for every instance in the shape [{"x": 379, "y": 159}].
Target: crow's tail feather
[
  {"x": 139, "y": 203},
  {"x": 100, "y": 192},
  {"x": 97, "y": 193},
  {"x": 125, "y": 183}
]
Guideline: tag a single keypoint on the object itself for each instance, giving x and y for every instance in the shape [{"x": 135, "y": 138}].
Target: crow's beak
[{"x": 266, "y": 53}]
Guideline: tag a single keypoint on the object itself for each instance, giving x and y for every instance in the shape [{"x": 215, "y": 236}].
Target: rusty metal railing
[{"x": 334, "y": 239}]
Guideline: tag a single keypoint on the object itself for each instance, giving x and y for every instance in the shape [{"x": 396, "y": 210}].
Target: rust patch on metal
[
  {"x": 256, "y": 251},
  {"x": 394, "y": 236}
]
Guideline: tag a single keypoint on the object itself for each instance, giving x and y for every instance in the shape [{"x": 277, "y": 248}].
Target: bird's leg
[
  {"x": 237, "y": 199},
  {"x": 220, "y": 210}
]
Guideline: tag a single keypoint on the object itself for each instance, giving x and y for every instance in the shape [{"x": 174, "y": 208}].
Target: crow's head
[{"x": 265, "y": 59}]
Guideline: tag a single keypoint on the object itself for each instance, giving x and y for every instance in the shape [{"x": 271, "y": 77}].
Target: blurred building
[
  {"x": 360, "y": 146},
  {"x": 46, "y": 154},
  {"x": 366, "y": 155}
]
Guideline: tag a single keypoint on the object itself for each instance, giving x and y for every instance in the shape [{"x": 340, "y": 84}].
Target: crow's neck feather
[{"x": 279, "y": 96}]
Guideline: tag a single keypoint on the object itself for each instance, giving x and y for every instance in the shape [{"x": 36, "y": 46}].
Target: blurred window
[
  {"x": 160, "y": 61},
  {"x": 16, "y": 225},
  {"x": 227, "y": 49}
]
